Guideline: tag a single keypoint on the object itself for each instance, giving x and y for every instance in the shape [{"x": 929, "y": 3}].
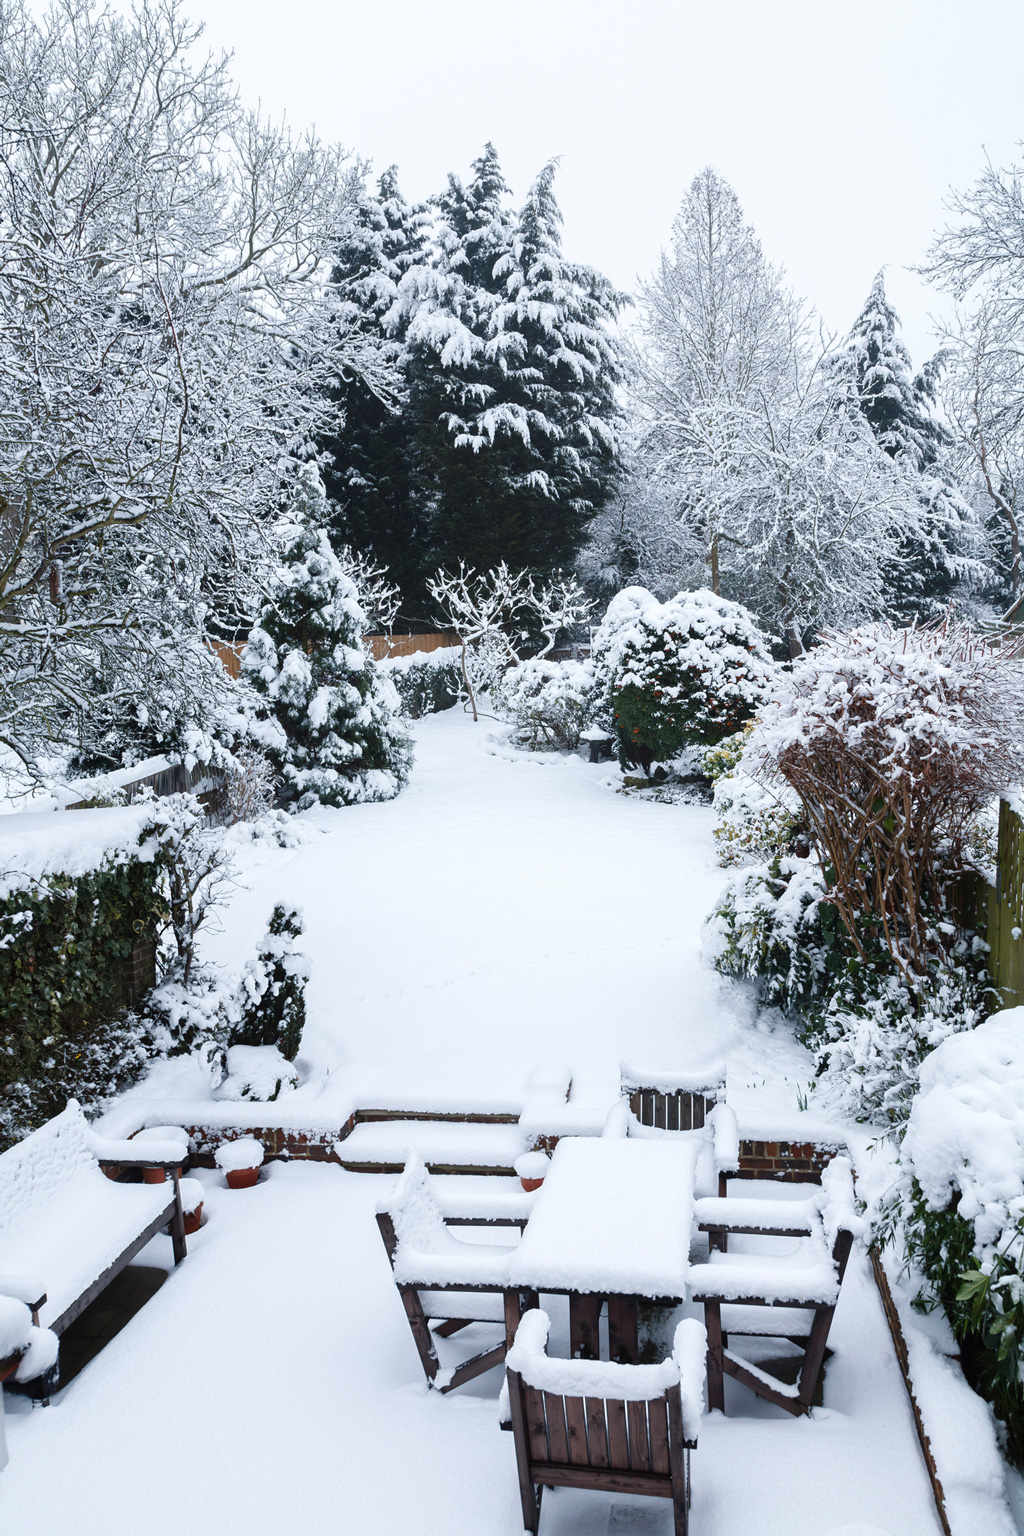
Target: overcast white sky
[{"x": 840, "y": 125}]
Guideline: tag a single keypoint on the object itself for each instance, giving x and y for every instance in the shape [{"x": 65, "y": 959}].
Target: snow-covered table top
[{"x": 613, "y": 1216}]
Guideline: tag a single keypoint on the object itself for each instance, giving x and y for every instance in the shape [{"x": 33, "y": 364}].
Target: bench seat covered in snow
[{"x": 68, "y": 1226}]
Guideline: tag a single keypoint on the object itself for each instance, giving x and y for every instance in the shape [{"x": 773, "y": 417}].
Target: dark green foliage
[
  {"x": 426, "y": 688},
  {"x": 501, "y": 444},
  {"x": 369, "y": 476},
  {"x": 275, "y": 1007},
  {"x": 691, "y": 673},
  {"x": 66, "y": 945},
  {"x": 985, "y": 1308}
]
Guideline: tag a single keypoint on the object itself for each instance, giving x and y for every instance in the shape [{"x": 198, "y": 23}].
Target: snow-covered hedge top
[
  {"x": 966, "y": 1130},
  {"x": 35, "y": 844},
  {"x": 606, "y": 1378},
  {"x": 442, "y": 656},
  {"x": 243, "y": 1152},
  {"x": 721, "y": 639},
  {"x": 896, "y": 692}
]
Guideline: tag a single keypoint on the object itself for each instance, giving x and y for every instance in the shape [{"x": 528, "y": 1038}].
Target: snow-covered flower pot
[
  {"x": 240, "y": 1161},
  {"x": 161, "y": 1133},
  {"x": 532, "y": 1168},
  {"x": 192, "y": 1194}
]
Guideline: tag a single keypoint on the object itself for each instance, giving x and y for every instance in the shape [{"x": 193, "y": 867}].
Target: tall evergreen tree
[
  {"x": 327, "y": 720},
  {"x": 899, "y": 407},
  {"x": 512, "y": 376},
  {"x": 368, "y": 473}
]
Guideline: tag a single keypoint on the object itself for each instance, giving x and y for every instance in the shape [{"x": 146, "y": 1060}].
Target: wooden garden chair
[
  {"x": 445, "y": 1284},
  {"x": 791, "y": 1297},
  {"x": 611, "y": 1428},
  {"x": 672, "y": 1102}
]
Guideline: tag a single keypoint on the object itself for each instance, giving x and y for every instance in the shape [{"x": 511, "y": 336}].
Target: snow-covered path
[
  {"x": 503, "y": 912},
  {"x": 506, "y": 910}
]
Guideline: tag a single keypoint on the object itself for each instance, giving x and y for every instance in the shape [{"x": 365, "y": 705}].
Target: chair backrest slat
[
  {"x": 536, "y": 1427},
  {"x": 618, "y": 1435},
  {"x": 680, "y": 1110},
  {"x": 639, "y": 1437},
  {"x": 597, "y": 1432},
  {"x": 558, "y": 1440},
  {"x": 576, "y": 1424},
  {"x": 657, "y": 1418}
]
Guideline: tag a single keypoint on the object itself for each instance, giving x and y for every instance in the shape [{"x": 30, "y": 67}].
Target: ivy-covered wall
[{"x": 75, "y": 952}]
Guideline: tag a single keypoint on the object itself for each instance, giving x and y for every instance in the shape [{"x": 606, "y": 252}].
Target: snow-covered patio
[{"x": 504, "y": 912}]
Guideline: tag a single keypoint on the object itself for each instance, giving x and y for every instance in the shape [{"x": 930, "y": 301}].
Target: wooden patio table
[{"x": 611, "y": 1223}]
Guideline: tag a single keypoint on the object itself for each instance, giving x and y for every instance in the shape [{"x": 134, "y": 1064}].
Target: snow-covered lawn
[{"x": 502, "y": 913}]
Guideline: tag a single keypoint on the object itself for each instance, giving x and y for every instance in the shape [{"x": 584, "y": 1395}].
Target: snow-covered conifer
[
  {"x": 328, "y": 720},
  {"x": 898, "y": 406},
  {"x": 368, "y": 469}
]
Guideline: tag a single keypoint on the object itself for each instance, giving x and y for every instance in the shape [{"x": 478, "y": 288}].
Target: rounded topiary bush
[{"x": 678, "y": 674}]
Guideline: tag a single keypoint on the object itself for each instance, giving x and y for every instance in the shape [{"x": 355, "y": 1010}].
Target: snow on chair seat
[
  {"x": 440, "y": 1278},
  {"x": 600, "y": 1425},
  {"x": 63, "y": 1220}
]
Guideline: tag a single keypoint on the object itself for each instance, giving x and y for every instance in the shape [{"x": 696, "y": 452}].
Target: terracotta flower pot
[
  {"x": 153, "y": 1176},
  {"x": 193, "y": 1220},
  {"x": 531, "y": 1184},
  {"x": 241, "y": 1178}
]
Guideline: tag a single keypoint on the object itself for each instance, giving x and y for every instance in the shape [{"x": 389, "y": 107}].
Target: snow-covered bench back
[
  {"x": 672, "y": 1101},
  {"x": 64, "y": 1224},
  {"x": 33, "y": 1170}
]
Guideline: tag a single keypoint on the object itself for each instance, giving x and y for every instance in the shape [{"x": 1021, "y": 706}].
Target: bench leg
[{"x": 178, "y": 1225}]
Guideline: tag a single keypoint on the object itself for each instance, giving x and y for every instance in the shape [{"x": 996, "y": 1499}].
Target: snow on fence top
[
  {"x": 35, "y": 844},
  {"x": 966, "y": 1130}
]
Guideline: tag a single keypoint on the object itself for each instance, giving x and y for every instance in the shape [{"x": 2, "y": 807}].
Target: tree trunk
[
  {"x": 715, "y": 583},
  {"x": 794, "y": 642}
]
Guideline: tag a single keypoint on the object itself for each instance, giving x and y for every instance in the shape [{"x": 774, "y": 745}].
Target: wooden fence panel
[{"x": 1005, "y": 911}]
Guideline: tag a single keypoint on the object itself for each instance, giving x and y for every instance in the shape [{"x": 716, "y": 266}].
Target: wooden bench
[
  {"x": 611, "y": 1428},
  {"x": 63, "y": 1221}
]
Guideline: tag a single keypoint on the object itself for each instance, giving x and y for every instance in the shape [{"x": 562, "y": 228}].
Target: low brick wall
[
  {"x": 314, "y": 1146},
  {"x": 789, "y": 1162}
]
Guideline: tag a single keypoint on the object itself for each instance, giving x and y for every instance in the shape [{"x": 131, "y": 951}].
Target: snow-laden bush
[
  {"x": 958, "y": 1209},
  {"x": 548, "y": 702},
  {"x": 683, "y": 673},
  {"x": 328, "y": 722},
  {"x": 895, "y": 740},
  {"x": 767, "y": 928},
  {"x": 426, "y": 682},
  {"x": 207, "y": 1014}
]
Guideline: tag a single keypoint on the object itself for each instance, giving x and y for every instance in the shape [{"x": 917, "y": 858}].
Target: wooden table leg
[
  {"x": 716, "y": 1371},
  {"x": 623, "y": 1330}
]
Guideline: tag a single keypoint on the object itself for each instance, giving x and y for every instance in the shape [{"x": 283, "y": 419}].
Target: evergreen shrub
[
  {"x": 684, "y": 673},
  {"x": 426, "y": 682},
  {"x": 65, "y": 944},
  {"x": 548, "y": 702}
]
